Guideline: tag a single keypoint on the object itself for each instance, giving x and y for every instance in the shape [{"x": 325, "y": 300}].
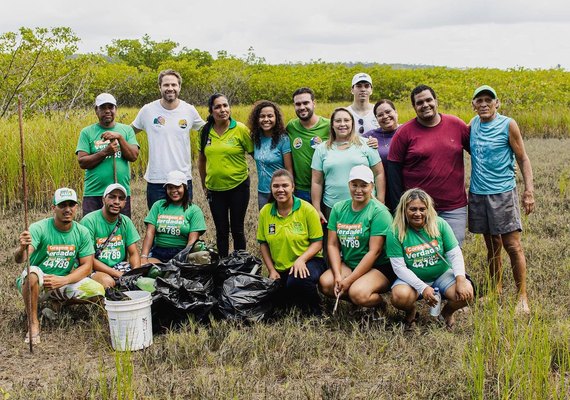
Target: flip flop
[
  {"x": 35, "y": 339},
  {"x": 410, "y": 326}
]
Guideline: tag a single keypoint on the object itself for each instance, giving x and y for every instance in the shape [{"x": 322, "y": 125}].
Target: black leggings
[{"x": 234, "y": 201}]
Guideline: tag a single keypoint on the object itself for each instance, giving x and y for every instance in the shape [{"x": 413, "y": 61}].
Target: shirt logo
[
  {"x": 315, "y": 141},
  {"x": 159, "y": 121},
  {"x": 272, "y": 229},
  {"x": 183, "y": 123},
  {"x": 297, "y": 143},
  {"x": 297, "y": 227}
]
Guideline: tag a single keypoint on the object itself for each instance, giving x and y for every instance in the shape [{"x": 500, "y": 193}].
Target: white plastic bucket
[{"x": 130, "y": 321}]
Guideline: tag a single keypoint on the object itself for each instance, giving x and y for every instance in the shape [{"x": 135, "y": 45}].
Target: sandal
[{"x": 35, "y": 338}]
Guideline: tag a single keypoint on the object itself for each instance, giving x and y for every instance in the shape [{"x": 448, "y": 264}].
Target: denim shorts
[{"x": 443, "y": 282}]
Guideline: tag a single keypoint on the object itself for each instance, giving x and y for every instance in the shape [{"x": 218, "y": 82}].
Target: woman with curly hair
[{"x": 272, "y": 149}]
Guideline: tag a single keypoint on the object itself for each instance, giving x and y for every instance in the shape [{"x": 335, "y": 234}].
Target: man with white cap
[
  {"x": 361, "y": 108},
  {"x": 496, "y": 142},
  {"x": 104, "y": 151},
  {"x": 114, "y": 236},
  {"x": 167, "y": 123},
  {"x": 61, "y": 257}
]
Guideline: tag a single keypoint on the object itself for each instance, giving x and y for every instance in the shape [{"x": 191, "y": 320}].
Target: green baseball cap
[{"x": 485, "y": 88}]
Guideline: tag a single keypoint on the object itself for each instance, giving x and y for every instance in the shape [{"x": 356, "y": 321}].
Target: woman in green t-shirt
[
  {"x": 172, "y": 223},
  {"x": 224, "y": 174},
  {"x": 425, "y": 254},
  {"x": 357, "y": 228}
]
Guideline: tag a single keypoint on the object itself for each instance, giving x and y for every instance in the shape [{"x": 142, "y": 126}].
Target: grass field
[{"x": 490, "y": 355}]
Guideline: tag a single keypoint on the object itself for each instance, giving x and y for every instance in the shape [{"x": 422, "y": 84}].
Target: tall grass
[{"x": 50, "y": 143}]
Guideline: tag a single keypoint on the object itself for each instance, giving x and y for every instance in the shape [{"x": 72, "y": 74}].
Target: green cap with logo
[
  {"x": 485, "y": 88},
  {"x": 64, "y": 194}
]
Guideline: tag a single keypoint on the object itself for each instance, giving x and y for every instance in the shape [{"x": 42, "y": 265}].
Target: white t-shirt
[
  {"x": 168, "y": 133},
  {"x": 370, "y": 121}
]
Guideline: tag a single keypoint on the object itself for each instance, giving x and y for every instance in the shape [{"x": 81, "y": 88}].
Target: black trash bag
[
  {"x": 128, "y": 281},
  {"x": 176, "y": 298},
  {"x": 248, "y": 297},
  {"x": 237, "y": 261},
  {"x": 198, "y": 270}
]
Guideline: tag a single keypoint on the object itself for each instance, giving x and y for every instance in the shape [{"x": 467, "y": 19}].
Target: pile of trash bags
[{"x": 196, "y": 282}]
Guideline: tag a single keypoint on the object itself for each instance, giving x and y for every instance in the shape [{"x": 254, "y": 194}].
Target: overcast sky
[{"x": 455, "y": 33}]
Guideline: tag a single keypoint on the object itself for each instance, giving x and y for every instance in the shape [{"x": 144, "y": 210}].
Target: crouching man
[
  {"x": 61, "y": 257},
  {"x": 114, "y": 236}
]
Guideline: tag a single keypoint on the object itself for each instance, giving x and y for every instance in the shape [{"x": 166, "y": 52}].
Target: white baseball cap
[
  {"x": 64, "y": 194},
  {"x": 176, "y": 178},
  {"x": 361, "y": 172},
  {"x": 114, "y": 186},
  {"x": 361, "y": 77},
  {"x": 105, "y": 98}
]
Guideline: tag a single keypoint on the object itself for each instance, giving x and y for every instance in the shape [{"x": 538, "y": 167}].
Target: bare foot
[{"x": 522, "y": 307}]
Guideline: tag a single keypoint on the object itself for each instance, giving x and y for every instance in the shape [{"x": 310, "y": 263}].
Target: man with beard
[
  {"x": 104, "y": 151},
  {"x": 61, "y": 257},
  {"x": 305, "y": 132},
  {"x": 167, "y": 123},
  {"x": 427, "y": 153},
  {"x": 115, "y": 237}
]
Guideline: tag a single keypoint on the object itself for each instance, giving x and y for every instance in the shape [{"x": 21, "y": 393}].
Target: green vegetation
[{"x": 491, "y": 354}]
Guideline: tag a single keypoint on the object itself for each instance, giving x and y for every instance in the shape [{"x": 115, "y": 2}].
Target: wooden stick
[{"x": 25, "y": 185}]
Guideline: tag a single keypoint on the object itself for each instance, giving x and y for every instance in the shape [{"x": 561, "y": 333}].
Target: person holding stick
[
  {"x": 104, "y": 151},
  {"x": 61, "y": 258},
  {"x": 359, "y": 268}
]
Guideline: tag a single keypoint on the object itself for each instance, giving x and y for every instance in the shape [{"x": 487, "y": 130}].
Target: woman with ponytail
[{"x": 224, "y": 172}]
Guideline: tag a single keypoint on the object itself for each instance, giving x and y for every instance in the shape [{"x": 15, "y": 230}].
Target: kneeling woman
[
  {"x": 290, "y": 237},
  {"x": 425, "y": 255},
  {"x": 357, "y": 228},
  {"x": 172, "y": 223}
]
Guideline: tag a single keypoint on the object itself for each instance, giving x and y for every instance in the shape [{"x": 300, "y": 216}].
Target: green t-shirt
[
  {"x": 57, "y": 252},
  {"x": 419, "y": 256},
  {"x": 289, "y": 237},
  {"x": 97, "y": 179},
  {"x": 354, "y": 229},
  {"x": 226, "y": 166},
  {"x": 100, "y": 229},
  {"x": 173, "y": 224},
  {"x": 303, "y": 145}
]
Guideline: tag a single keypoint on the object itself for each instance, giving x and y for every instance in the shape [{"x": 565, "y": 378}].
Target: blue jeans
[
  {"x": 303, "y": 293},
  {"x": 262, "y": 199},
  {"x": 457, "y": 219},
  {"x": 165, "y": 254},
  {"x": 303, "y": 194},
  {"x": 157, "y": 191}
]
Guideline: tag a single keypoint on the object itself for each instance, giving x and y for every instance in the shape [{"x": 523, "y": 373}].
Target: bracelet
[{"x": 144, "y": 255}]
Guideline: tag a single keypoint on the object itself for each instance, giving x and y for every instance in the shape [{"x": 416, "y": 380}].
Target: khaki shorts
[
  {"x": 86, "y": 288},
  {"x": 494, "y": 214}
]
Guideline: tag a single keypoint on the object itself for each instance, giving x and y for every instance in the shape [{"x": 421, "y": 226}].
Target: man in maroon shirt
[{"x": 427, "y": 153}]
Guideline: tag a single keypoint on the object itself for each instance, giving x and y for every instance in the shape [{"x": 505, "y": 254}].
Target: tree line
[{"x": 43, "y": 66}]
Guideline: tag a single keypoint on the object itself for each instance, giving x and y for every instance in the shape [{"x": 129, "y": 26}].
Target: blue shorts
[{"x": 443, "y": 282}]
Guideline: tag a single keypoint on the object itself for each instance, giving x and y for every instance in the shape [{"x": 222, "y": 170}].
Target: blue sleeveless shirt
[{"x": 492, "y": 158}]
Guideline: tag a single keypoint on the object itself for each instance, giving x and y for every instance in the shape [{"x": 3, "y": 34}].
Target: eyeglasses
[{"x": 361, "y": 123}]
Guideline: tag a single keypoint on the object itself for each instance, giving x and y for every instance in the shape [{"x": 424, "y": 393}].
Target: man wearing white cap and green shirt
[
  {"x": 496, "y": 142},
  {"x": 114, "y": 236},
  {"x": 61, "y": 257},
  {"x": 361, "y": 108},
  {"x": 104, "y": 151}
]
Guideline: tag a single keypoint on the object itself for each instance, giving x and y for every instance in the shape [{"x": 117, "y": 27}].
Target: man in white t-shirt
[
  {"x": 361, "y": 108},
  {"x": 167, "y": 123}
]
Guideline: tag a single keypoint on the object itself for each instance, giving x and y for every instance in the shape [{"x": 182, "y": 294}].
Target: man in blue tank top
[{"x": 495, "y": 142}]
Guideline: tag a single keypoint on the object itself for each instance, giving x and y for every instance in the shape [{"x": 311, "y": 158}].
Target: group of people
[{"x": 391, "y": 198}]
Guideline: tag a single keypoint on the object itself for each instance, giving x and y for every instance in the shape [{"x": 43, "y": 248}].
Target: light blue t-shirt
[
  {"x": 492, "y": 158},
  {"x": 336, "y": 165},
  {"x": 269, "y": 160}
]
